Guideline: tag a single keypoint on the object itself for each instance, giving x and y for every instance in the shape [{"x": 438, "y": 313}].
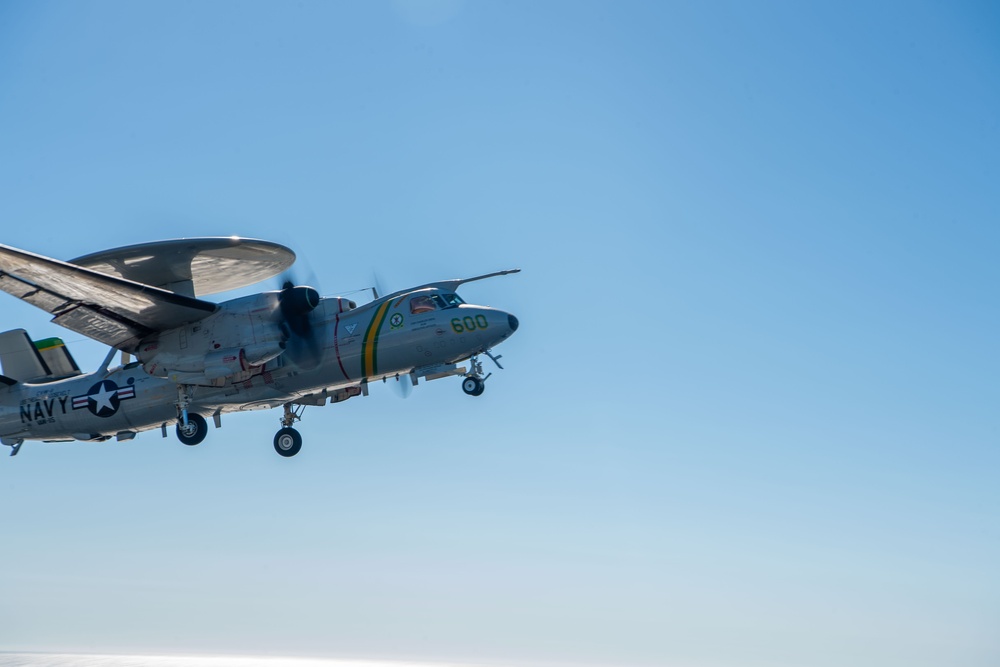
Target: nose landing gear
[
  {"x": 473, "y": 386},
  {"x": 474, "y": 383}
]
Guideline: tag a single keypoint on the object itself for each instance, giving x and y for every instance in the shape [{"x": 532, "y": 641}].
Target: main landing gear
[
  {"x": 194, "y": 431},
  {"x": 288, "y": 441},
  {"x": 474, "y": 383},
  {"x": 191, "y": 427}
]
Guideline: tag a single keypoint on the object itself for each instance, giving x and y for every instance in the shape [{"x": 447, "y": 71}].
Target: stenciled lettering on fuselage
[{"x": 103, "y": 400}]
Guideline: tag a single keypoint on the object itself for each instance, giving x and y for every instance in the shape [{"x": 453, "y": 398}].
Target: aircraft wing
[{"x": 108, "y": 309}]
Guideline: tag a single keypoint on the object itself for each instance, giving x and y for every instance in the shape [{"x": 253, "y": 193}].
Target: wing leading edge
[{"x": 111, "y": 310}]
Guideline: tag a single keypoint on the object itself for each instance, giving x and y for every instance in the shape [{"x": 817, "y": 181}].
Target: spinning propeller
[
  {"x": 296, "y": 303},
  {"x": 403, "y": 385}
]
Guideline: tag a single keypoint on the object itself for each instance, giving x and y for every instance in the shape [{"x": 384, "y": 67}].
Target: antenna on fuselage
[{"x": 376, "y": 287}]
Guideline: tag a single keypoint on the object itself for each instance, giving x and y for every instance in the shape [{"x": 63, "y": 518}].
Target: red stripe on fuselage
[{"x": 336, "y": 347}]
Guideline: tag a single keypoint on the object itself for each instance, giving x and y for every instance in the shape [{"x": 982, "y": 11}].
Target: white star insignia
[{"x": 103, "y": 398}]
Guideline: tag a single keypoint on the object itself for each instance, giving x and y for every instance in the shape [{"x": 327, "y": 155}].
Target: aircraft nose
[{"x": 512, "y": 323}]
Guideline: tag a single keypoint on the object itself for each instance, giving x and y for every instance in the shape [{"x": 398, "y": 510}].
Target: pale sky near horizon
[{"x": 749, "y": 418}]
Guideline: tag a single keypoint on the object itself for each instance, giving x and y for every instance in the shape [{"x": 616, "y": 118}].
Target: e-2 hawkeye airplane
[{"x": 195, "y": 359}]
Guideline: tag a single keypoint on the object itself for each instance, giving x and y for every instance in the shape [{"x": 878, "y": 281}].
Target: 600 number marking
[{"x": 468, "y": 324}]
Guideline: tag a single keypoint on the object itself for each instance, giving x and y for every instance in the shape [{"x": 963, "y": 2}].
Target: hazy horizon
[{"x": 73, "y": 659}]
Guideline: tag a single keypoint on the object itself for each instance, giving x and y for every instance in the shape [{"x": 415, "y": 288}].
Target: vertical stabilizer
[
  {"x": 19, "y": 357},
  {"x": 56, "y": 356}
]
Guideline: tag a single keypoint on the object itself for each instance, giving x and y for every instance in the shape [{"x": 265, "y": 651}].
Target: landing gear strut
[
  {"x": 288, "y": 441},
  {"x": 474, "y": 383},
  {"x": 194, "y": 431},
  {"x": 191, "y": 427}
]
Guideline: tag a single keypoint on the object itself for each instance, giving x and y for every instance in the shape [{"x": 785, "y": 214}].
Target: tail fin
[
  {"x": 56, "y": 356},
  {"x": 21, "y": 360}
]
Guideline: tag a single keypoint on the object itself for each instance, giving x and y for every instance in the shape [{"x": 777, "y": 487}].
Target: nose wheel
[
  {"x": 473, "y": 386},
  {"x": 474, "y": 383}
]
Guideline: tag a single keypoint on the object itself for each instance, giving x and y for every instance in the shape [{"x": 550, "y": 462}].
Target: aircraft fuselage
[{"x": 224, "y": 371}]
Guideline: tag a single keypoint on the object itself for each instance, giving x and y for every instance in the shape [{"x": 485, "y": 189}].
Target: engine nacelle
[
  {"x": 214, "y": 365},
  {"x": 221, "y": 363}
]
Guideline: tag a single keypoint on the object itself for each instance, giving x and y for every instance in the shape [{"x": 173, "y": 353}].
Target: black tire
[
  {"x": 196, "y": 431},
  {"x": 287, "y": 442},
  {"x": 473, "y": 386}
]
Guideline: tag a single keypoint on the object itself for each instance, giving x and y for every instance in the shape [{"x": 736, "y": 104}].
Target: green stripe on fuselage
[{"x": 369, "y": 345}]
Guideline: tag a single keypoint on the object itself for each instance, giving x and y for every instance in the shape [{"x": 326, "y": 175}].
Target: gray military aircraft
[{"x": 194, "y": 359}]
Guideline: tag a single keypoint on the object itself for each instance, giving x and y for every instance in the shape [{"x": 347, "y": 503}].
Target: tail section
[
  {"x": 56, "y": 356},
  {"x": 24, "y": 361}
]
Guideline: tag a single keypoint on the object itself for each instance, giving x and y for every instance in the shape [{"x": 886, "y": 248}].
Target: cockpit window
[
  {"x": 425, "y": 303},
  {"x": 422, "y": 304}
]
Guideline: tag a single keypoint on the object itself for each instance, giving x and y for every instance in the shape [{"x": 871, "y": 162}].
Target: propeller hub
[{"x": 297, "y": 300}]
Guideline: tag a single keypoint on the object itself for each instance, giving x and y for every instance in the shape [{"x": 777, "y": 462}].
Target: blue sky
[{"x": 749, "y": 417}]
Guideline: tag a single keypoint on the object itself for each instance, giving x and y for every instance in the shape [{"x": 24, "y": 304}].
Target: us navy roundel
[{"x": 103, "y": 398}]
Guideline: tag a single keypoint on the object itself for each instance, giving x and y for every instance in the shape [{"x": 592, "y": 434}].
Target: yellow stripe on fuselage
[{"x": 370, "y": 340}]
